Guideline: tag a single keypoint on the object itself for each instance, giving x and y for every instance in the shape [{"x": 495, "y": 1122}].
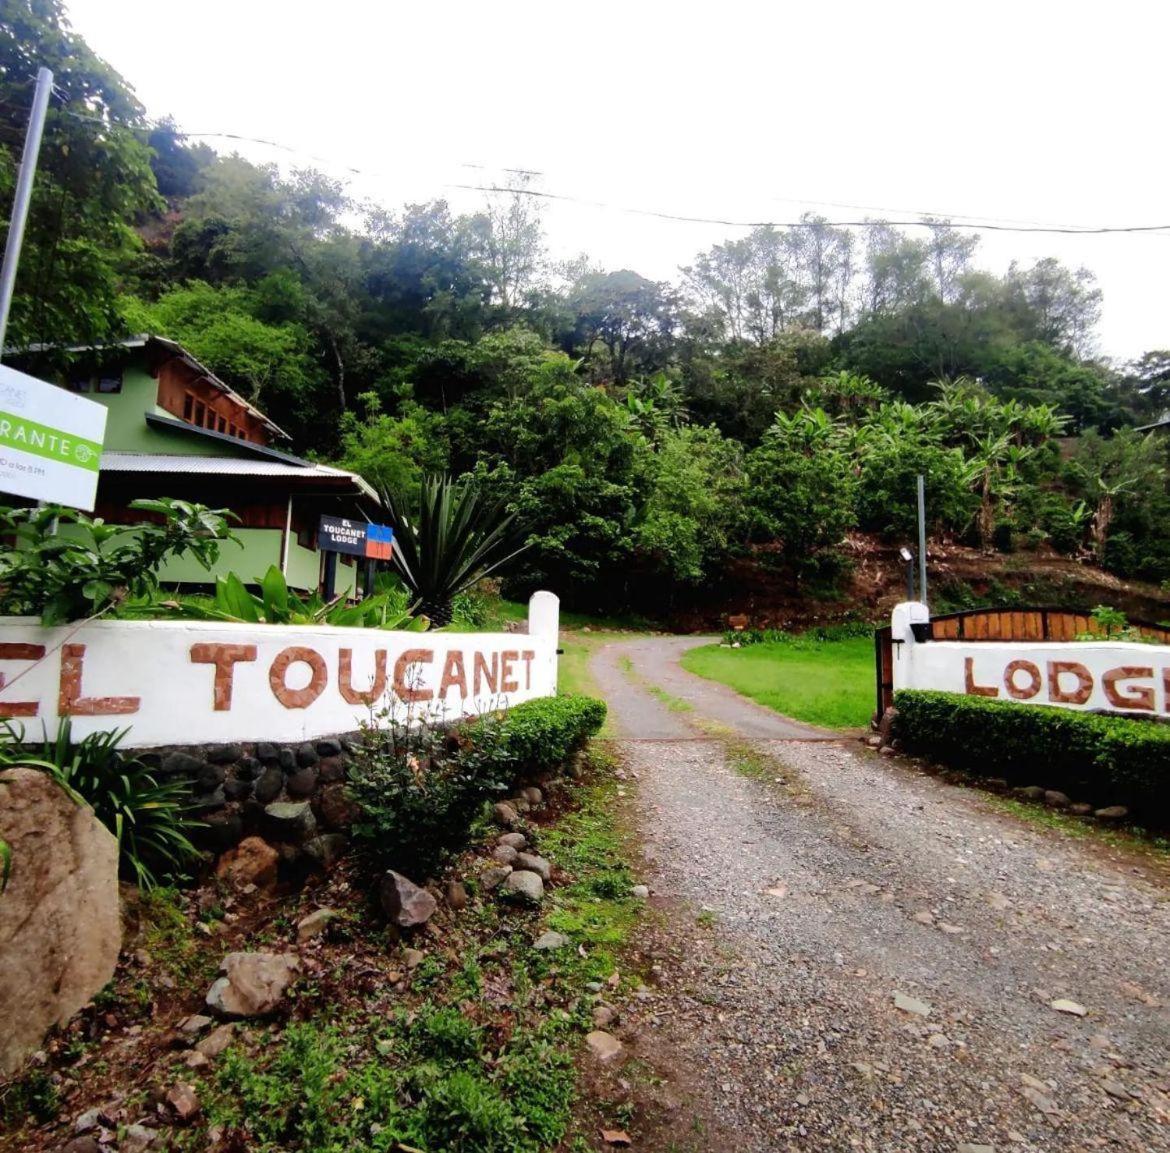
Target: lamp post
[{"x": 908, "y": 557}]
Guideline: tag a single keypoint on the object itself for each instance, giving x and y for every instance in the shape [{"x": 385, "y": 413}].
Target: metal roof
[{"x": 227, "y": 466}]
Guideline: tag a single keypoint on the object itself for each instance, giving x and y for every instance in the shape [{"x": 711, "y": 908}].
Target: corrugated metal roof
[{"x": 226, "y": 466}]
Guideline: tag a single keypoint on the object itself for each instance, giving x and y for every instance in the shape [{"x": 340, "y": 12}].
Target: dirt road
[{"x": 862, "y": 957}]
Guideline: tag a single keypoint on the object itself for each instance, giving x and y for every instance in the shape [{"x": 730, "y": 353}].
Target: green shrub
[
  {"x": 420, "y": 788},
  {"x": 810, "y": 638},
  {"x": 148, "y": 817},
  {"x": 1103, "y": 759}
]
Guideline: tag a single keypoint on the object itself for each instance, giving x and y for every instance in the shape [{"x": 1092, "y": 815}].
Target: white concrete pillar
[{"x": 544, "y": 627}]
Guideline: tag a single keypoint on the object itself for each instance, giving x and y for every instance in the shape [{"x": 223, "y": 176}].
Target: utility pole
[
  {"x": 20, "y": 202},
  {"x": 922, "y": 538}
]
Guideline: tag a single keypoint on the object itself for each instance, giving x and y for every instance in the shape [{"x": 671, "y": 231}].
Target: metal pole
[
  {"x": 922, "y": 538},
  {"x": 20, "y": 202}
]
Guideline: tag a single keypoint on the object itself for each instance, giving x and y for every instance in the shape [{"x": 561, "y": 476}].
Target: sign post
[
  {"x": 336, "y": 534},
  {"x": 50, "y": 441}
]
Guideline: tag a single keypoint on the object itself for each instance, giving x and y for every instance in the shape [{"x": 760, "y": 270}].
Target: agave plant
[{"x": 459, "y": 535}]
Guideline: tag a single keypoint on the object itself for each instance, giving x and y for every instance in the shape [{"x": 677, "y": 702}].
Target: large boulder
[
  {"x": 252, "y": 862},
  {"x": 252, "y": 985},
  {"x": 60, "y": 929}
]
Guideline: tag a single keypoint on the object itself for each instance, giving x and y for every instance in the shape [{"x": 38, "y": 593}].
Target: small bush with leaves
[
  {"x": 810, "y": 638},
  {"x": 148, "y": 817},
  {"x": 1104, "y": 759},
  {"x": 67, "y": 566},
  {"x": 420, "y": 788}
]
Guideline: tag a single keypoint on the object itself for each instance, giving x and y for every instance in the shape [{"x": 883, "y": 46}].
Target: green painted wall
[{"x": 126, "y": 427}]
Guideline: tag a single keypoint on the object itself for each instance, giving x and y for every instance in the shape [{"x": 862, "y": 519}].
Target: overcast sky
[{"x": 1052, "y": 113}]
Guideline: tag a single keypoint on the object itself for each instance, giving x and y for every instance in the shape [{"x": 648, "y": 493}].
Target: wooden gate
[{"x": 1031, "y": 624}]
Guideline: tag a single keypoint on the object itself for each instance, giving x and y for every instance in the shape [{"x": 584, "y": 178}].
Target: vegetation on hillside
[{"x": 783, "y": 393}]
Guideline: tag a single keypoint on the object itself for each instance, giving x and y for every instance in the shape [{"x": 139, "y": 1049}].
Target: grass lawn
[{"x": 827, "y": 683}]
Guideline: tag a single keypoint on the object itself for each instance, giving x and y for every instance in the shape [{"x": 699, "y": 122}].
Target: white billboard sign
[{"x": 50, "y": 441}]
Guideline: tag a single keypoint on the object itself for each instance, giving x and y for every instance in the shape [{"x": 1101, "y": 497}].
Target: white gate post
[{"x": 544, "y": 621}]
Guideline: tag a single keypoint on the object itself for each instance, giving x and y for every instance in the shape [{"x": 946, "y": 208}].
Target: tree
[
  {"x": 508, "y": 239},
  {"x": 1062, "y": 306},
  {"x": 822, "y": 257},
  {"x": 630, "y": 317},
  {"x": 896, "y": 270},
  {"x": 949, "y": 255},
  {"x": 93, "y": 179},
  {"x": 393, "y": 453}
]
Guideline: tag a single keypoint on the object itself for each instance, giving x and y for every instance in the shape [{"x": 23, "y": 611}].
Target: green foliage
[
  {"x": 458, "y": 536},
  {"x": 276, "y": 604},
  {"x": 1106, "y": 760},
  {"x": 420, "y": 788},
  {"x": 845, "y": 630},
  {"x": 148, "y": 817},
  {"x": 393, "y": 452},
  {"x": 67, "y": 566}
]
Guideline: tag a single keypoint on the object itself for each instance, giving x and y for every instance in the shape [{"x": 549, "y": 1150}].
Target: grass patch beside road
[{"x": 826, "y": 683}]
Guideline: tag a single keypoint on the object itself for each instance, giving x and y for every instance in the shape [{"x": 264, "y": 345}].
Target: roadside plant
[
  {"x": 67, "y": 566},
  {"x": 276, "y": 604},
  {"x": 148, "y": 817},
  {"x": 458, "y": 536}
]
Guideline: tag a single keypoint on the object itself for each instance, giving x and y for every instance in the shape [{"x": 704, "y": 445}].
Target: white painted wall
[
  {"x": 281, "y": 683},
  {"x": 1091, "y": 675}
]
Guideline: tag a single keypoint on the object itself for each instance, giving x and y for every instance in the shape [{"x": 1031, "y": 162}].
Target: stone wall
[{"x": 293, "y": 796}]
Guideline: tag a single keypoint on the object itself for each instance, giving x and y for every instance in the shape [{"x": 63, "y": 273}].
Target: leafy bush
[
  {"x": 148, "y": 817},
  {"x": 276, "y": 603},
  {"x": 819, "y": 634},
  {"x": 67, "y": 566},
  {"x": 1107, "y": 759},
  {"x": 421, "y": 788}
]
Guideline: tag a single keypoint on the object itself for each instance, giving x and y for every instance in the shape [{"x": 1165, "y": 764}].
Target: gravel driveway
[{"x": 803, "y": 905}]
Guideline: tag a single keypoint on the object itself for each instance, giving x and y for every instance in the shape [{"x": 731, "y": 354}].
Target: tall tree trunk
[{"x": 337, "y": 359}]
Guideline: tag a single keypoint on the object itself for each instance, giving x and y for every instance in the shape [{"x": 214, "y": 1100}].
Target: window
[
  {"x": 78, "y": 384},
  {"x": 199, "y": 412},
  {"x": 188, "y": 406},
  {"x": 110, "y": 383}
]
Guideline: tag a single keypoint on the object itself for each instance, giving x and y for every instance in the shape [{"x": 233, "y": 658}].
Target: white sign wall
[{"x": 183, "y": 683}]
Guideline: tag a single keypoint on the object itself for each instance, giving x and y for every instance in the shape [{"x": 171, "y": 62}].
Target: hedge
[
  {"x": 1104, "y": 760},
  {"x": 420, "y": 789}
]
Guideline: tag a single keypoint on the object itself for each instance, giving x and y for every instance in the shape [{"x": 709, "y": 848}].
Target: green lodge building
[{"x": 174, "y": 429}]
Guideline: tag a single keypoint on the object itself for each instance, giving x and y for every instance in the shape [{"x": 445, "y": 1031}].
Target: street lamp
[{"x": 908, "y": 557}]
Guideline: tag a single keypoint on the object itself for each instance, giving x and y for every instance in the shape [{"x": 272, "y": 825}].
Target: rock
[
  {"x": 332, "y": 770},
  {"x": 315, "y": 924},
  {"x": 183, "y": 1102},
  {"x": 1116, "y": 1091},
  {"x": 910, "y": 1004},
  {"x": 505, "y": 814},
  {"x": 302, "y": 782},
  {"x": 253, "y": 984},
  {"x": 88, "y": 1120},
  {"x": 641, "y": 892},
  {"x": 1081, "y": 809},
  {"x": 207, "y": 802},
  {"x": 887, "y": 723},
  {"x": 307, "y": 755},
  {"x": 1039, "y": 1100},
  {"x": 290, "y": 820},
  {"x": 225, "y": 754},
  {"x": 1030, "y": 793},
  {"x": 412, "y": 958},
  {"x": 196, "y": 1023},
  {"x": 996, "y": 784},
  {"x": 182, "y": 765},
  {"x": 82, "y": 1145},
  {"x": 268, "y": 785},
  {"x": 196, "y": 1060},
  {"x": 603, "y": 1015},
  {"x": 491, "y": 878},
  {"x": 887, "y": 750},
  {"x": 456, "y": 895},
  {"x": 330, "y": 747},
  {"x": 287, "y": 760},
  {"x": 534, "y": 864},
  {"x": 136, "y": 1139},
  {"x": 1111, "y": 813},
  {"x": 604, "y": 1046},
  {"x": 327, "y": 849},
  {"x": 334, "y": 807},
  {"x": 1056, "y": 799},
  {"x": 404, "y": 902},
  {"x": 248, "y": 768},
  {"x": 60, "y": 924},
  {"x": 517, "y": 841},
  {"x": 616, "y": 1137},
  {"x": 520, "y": 804},
  {"x": 237, "y": 790},
  {"x": 252, "y": 862},
  {"x": 532, "y": 795},
  {"x": 874, "y": 742},
  {"x": 967, "y": 1147},
  {"x": 524, "y": 885},
  {"x": 216, "y": 1041},
  {"x": 551, "y": 940},
  {"x": 1070, "y": 1007},
  {"x": 924, "y": 918},
  {"x": 505, "y": 854},
  {"x": 939, "y": 1041},
  {"x": 267, "y": 752},
  {"x": 210, "y": 778}
]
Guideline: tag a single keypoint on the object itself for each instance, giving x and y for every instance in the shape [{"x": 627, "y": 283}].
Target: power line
[{"x": 987, "y": 224}]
